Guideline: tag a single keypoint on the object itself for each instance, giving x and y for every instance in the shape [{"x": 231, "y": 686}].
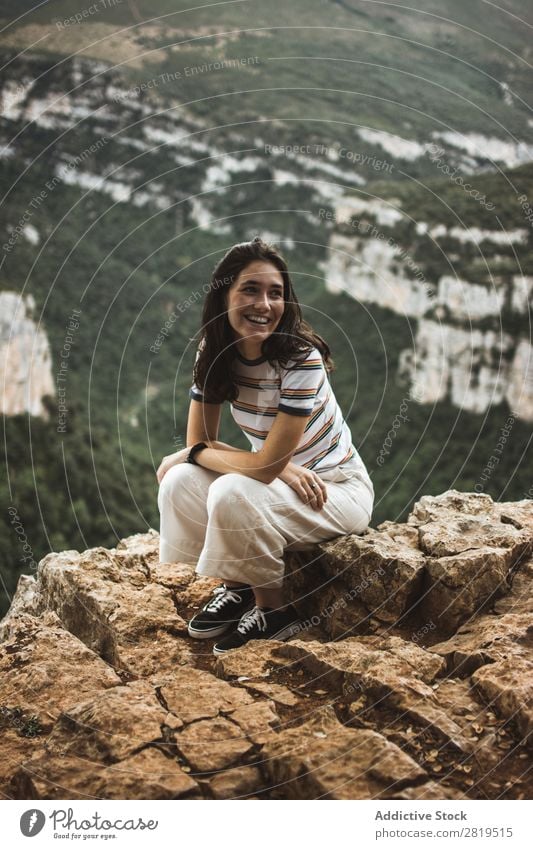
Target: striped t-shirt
[{"x": 304, "y": 390}]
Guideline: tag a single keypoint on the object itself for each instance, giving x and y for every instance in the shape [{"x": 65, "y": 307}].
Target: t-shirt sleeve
[
  {"x": 300, "y": 385},
  {"x": 195, "y": 392}
]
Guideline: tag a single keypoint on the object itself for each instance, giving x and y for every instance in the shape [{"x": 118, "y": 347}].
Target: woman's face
[{"x": 255, "y": 304}]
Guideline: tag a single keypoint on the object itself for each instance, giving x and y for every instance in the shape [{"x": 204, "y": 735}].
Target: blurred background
[{"x": 387, "y": 150}]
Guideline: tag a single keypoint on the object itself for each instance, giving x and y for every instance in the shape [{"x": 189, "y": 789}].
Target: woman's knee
[
  {"x": 363, "y": 511},
  {"x": 362, "y": 522},
  {"x": 234, "y": 489},
  {"x": 181, "y": 477}
]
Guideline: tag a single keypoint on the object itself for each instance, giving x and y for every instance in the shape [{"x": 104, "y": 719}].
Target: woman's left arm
[{"x": 264, "y": 465}]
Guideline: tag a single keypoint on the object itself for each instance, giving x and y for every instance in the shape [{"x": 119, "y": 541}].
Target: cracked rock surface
[{"x": 412, "y": 679}]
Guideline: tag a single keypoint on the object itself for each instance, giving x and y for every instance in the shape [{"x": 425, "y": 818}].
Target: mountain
[{"x": 137, "y": 144}]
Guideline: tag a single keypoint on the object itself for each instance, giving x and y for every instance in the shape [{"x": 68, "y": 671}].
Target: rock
[
  {"x": 404, "y": 535},
  {"x": 107, "y": 599},
  {"x": 256, "y": 720},
  {"x": 508, "y": 687},
  {"x": 379, "y": 667},
  {"x": 16, "y": 749},
  {"x": 104, "y": 695},
  {"x": 144, "y": 545},
  {"x": 112, "y": 725},
  {"x": 429, "y": 790},
  {"x": 520, "y": 598},
  {"x": 517, "y": 513},
  {"x": 333, "y": 611},
  {"x": 381, "y": 575},
  {"x": 427, "y": 713},
  {"x": 449, "y": 536},
  {"x": 254, "y": 661},
  {"x": 174, "y": 576},
  {"x": 191, "y": 598},
  {"x": 45, "y": 776},
  {"x": 195, "y": 694},
  {"x": 473, "y": 548},
  {"x": 25, "y": 602},
  {"x": 45, "y": 669},
  {"x": 324, "y": 760},
  {"x": 462, "y": 585},
  {"x": 388, "y": 672},
  {"x": 432, "y": 507},
  {"x": 25, "y": 358},
  {"x": 236, "y": 783},
  {"x": 277, "y": 693},
  {"x": 487, "y": 639},
  {"x": 145, "y": 775},
  {"x": 210, "y": 745},
  {"x": 155, "y": 658}
]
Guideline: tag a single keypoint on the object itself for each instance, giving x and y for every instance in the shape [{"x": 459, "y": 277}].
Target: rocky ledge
[{"x": 413, "y": 679}]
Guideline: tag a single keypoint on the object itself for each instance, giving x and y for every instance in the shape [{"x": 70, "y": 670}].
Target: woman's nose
[{"x": 262, "y": 301}]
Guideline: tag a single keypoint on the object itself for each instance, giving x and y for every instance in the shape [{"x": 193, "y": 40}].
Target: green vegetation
[
  {"x": 127, "y": 268},
  {"x": 27, "y": 725}
]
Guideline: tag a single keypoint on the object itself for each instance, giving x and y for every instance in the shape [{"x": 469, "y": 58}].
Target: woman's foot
[
  {"x": 261, "y": 623},
  {"x": 221, "y": 612}
]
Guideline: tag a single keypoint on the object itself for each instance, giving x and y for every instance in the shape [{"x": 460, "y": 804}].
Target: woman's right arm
[
  {"x": 203, "y": 423},
  {"x": 203, "y": 426}
]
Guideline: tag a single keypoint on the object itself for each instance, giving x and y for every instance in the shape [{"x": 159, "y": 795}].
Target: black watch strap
[{"x": 194, "y": 450}]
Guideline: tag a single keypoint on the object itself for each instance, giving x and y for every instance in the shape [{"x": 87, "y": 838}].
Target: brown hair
[{"x": 213, "y": 370}]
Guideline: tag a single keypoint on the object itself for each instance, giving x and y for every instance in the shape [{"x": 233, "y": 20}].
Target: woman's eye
[{"x": 252, "y": 289}]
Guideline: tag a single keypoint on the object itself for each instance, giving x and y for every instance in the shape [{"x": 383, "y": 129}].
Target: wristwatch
[{"x": 194, "y": 450}]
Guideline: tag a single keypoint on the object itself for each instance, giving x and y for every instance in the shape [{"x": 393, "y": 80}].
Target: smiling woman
[{"x": 233, "y": 513}]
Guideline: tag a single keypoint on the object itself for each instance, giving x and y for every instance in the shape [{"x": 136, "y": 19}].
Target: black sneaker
[
  {"x": 221, "y": 612},
  {"x": 261, "y": 623}
]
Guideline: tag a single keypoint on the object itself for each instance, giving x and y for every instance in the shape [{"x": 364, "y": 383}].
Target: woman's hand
[
  {"x": 171, "y": 460},
  {"x": 306, "y": 484}
]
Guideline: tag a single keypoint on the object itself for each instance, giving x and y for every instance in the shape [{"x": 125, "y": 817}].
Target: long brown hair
[{"x": 213, "y": 370}]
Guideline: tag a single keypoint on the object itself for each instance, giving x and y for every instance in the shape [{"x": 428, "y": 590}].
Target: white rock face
[
  {"x": 25, "y": 360},
  {"x": 475, "y": 235},
  {"x": 475, "y": 146},
  {"x": 522, "y": 294},
  {"x": 520, "y": 389},
  {"x": 386, "y": 213},
  {"x": 511, "y": 153},
  {"x": 120, "y": 192},
  {"x": 395, "y": 146},
  {"x": 372, "y": 271},
  {"x": 31, "y": 234},
  {"x": 470, "y": 301},
  {"x": 203, "y": 217},
  {"x": 469, "y": 367},
  {"x": 466, "y": 365},
  {"x": 13, "y": 95},
  {"x": 474, "y": 368}
]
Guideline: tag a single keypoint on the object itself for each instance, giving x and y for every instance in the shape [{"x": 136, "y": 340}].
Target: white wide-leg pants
[{"x": 233, "y": 527}]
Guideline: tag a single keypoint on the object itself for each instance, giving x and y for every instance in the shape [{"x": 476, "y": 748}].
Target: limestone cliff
[
  {"x": 412, "y": 681},
  {"x": 454, "y": 355},
  {"x": 25, "y": 359}
]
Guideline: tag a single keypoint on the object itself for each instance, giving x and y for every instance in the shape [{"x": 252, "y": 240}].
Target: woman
[{"x": 233, "y": 513}]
